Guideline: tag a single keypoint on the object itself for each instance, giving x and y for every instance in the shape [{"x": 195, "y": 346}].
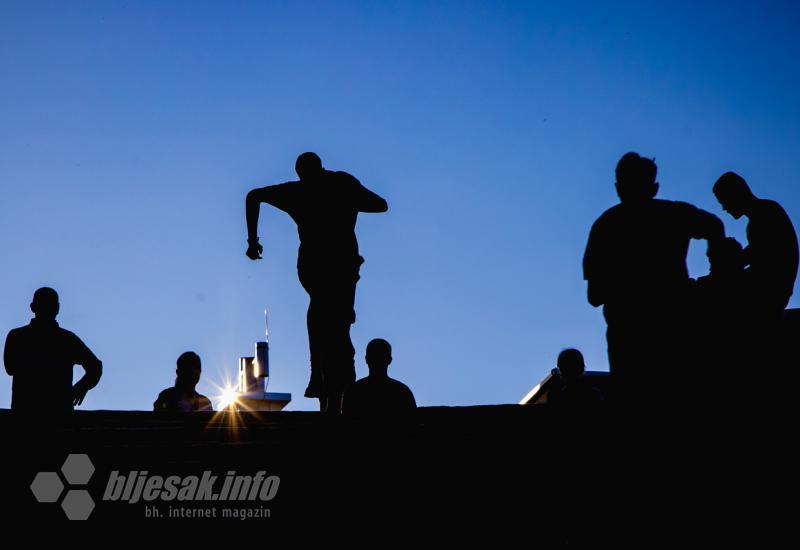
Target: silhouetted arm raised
[{"x": 275, "y": 195}]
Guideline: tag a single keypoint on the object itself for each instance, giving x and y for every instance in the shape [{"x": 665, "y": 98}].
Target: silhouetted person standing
[
  {"x": 772, "y": 252},
  {"x": 40, "y": 357},
  {"x": 575, "y": 390},
  {"x": 635, "y": 266},
  {"x": 183, "y": 396},
  {"x": 377, "y": 395},
  {"x": 325, "y": 206}
]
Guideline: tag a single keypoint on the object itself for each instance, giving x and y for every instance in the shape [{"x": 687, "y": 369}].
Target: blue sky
[{"x": 131, "y": 131}]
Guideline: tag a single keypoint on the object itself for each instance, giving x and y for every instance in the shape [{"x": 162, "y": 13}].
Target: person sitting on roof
[
  {"x": 575, "y": 389},
  {"x": 183, "y": 397},
  {"x": 377, "y": 395}
]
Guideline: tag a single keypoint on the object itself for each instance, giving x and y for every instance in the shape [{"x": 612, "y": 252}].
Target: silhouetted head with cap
[
  {"x": 188, "y": 370},
  {"x": 308, "y": 166},
  {"x": 45, "y": 304},
  {"x": 379, "y": 357},
  {"x": 636, "y": 178},
  {"x": 570, "y": 365},
  {"x": 733, "y": 194}
]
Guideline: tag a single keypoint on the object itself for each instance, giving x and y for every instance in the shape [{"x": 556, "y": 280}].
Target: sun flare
[{"x": 227, "y": 398}]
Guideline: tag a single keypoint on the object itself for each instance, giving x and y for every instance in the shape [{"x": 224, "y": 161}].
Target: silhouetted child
[
  {"x": 377, "y": 395},
  {"x": 40, "y": 357},
  {"x": 183, "y": 397},
  {"x": 575, "y": 389}
]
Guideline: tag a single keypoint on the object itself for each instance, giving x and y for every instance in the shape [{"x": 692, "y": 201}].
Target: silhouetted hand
[
  {"x": 78, "y": 394},
  {"x": 254, "y": 250}
]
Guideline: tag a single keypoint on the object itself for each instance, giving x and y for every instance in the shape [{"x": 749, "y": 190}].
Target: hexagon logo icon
[
  {"x": 78, "y": 504},
  {"x": 77, "y": 469},
  {"x": 47, "y": 487}
]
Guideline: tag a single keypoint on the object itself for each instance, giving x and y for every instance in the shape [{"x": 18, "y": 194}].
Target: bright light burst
[
  {"x": 225, "y": 395},
  {"x": 227, "y": 398}
]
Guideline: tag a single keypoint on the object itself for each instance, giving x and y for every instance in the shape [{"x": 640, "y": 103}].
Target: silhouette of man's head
[
  {"x": 733, "y": 194},
  {"x": 308, "y": 166},
  {"x": 726, "y": 258},
  {"x": 636, "y": 178},
  {"x": 45, "y": 303},
  {"x": 570, "y": 365},
  {"x": 188, "y": 370},
  {"x": 379, "y": 356}
]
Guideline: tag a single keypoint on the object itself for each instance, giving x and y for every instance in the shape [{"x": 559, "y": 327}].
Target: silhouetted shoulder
[
  {"x": 607, "y": 216},
  {"x": 346, "y": 183},
  {"x": 15, "y": 333},
  {"x": 164, "y": 400},
  {"x": 344, "y": 177},
  {"x": 767, "y": 208},
  {"x": 378, "y": 397},
  {"x": 203, "y": 403},
  {"x": 404, "y": 392}
]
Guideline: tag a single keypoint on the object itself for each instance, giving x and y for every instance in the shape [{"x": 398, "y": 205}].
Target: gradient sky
[{"x": 131, "y": 131}]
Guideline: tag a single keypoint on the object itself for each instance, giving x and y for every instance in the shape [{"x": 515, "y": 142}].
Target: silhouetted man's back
[
  {"x": 40, "y": 358},
  {"x": 637, "y": 252},
  {"x": 635, "y": 266},
  {"x": 325, "y": 206},
  {"x": 772, "y": 249},
  {"x": 377, "y": 395}
]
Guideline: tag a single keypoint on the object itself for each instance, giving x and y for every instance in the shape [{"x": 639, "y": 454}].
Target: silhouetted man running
[
  {"x": 40, "y": 356},
  {"x": 324, "y": 205},
  {"x": 635, "y": 266}
]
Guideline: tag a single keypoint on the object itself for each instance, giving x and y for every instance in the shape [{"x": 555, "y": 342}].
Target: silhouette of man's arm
[
  {"x": 279, "y": 196},
  {"x": 367, "y": 201},
  {"x": 93, "y": 367},
  {"x": 594, "y": 265},
  {"x": 11, "y": 357},
  {"x": 705, "y": 225}
]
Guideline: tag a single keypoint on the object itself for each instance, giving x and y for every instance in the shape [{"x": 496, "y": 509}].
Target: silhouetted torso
[
  {"x": 772, "y": 253},
  {"x": 637, "y": 252},
  {"x": 325, "y": 211},
  {"x": 576, "y": 393},
  {"x": 720, "y": 336},
  {"x": 176, "y": 399},
  {"x": 378, "y": 396},
  {"x": 41, "y": 357}
]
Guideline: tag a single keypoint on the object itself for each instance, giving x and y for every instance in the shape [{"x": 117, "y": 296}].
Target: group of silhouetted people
[
  {"x": 325, "y": 204},
  {"x": 659, "y": 320}
]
